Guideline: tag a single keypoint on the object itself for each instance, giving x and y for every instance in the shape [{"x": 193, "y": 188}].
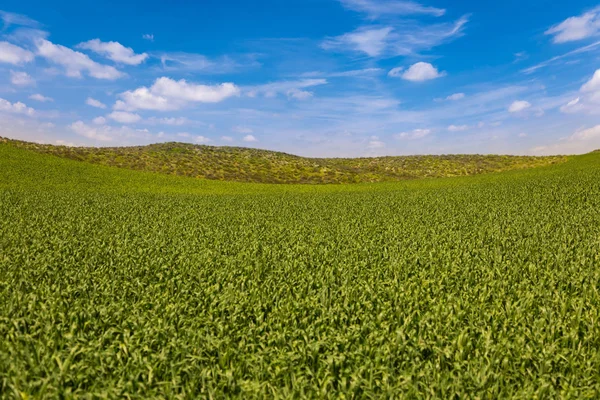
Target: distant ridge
[{"x": 253, "y": 165}]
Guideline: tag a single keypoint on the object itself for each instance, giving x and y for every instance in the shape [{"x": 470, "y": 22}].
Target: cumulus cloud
[
  {"x": 94, "y": 103},
  {"x": 396, "y": 72},
  {"x": 375, "y": 143},
  {"x": 75, "y": 62},
  {"x": 40, "y": 98},
  {"x": 201, "y": 139},
  {"x": 168, "y": 94},
  {"x": 99, "y": 120},
  {"x": 20, "y": 78},
  {"x": 576, "y": 28},
  {"x": 250, "y": 139},
  {"x": 11, "y": 54},
  {"x": 458, "y": 128},
  {"x": 581, "y": 141},
  {"x": 114, "y": 51},
  {"x": 90, "y": 132},
  {"x": 408, "y": 38},
  {"x": 414, "y": 134},
  {"x": 124, "y": 117},
  {"x": 588, "y": 100},
  {"x": 15, "y": 108},
  {"x": 421, "y": 71},
  {"x": 518, "y": 106}
]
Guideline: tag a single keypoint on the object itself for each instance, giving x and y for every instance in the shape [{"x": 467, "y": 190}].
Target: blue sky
[{"x": 309, "y": 77}]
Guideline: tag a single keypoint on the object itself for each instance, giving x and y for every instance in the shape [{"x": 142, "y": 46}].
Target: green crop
[{"x": 125, "y": 284}]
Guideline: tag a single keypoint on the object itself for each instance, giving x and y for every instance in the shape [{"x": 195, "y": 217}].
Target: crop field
[{"x": 128, "y": 284}]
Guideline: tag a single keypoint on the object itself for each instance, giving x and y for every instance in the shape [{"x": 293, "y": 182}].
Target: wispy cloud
[
  {"x": 408, "y": 38},
  {"x": 9, "y": 19},
  {"x": 553, "y": 60},
  {"x": 41, "y": 98},
  {"x": 192, "y": 62},
  {"x": 292, "y": 89},
  {"x": 576, "y": 28},
  {"x": 379, "y": 8}
]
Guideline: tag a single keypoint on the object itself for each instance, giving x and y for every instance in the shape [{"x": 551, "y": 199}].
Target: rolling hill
[{"x": 252, "y": 165}]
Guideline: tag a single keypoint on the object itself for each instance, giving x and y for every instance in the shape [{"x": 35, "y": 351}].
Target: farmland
[{"x": 117, "y": 283}]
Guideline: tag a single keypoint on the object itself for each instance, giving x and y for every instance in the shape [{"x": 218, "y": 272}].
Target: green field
[{"x": 126, "y": 284}]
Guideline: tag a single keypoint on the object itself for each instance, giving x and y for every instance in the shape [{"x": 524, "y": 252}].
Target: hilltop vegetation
[
  {"x": 252, "y": 165},
  {"x": 126, "y": 284}
]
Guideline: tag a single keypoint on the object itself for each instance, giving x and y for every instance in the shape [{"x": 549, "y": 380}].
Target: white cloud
[
  {"x": 414, "y": 134},
  {"x": 242, "y": 129},
  {"x": 227, "y": 139},
  {"x": 458, "y": 128},
  {"x": 168, "y": 121},
  {"x": 553, "y": 60},
  {"x": 593, "y": 85},
  {"x": 456, "y": 96},
  {"x": 40, "y": 98},
  {"x": 407, "y": 38},
  {"x": 374, "y": 143},
  {"x": 576, "y": 28},
  {"x": 9, "y": 18},
  {"x": 299, "y": 94},
  {"x": 582, "y": 141},
  {"x": 371, "y": 41},
  {"x": 250, "y": 138},
  {"x": 518, "y": 106},
  {"x": 11, "y": 54},
  {"x": 75, "y": 62},
  {"x": 167, "y": 94},
  {"x": 201, "y": 139},
  {"x": 422, "y": 71},
  {"x": 589, "y": 99},
  {"x": 94, "y": 103},
  {"x": 522, "y": 135},
  {"x": 20, "y": 78},
  {"x": 396, "y": 72},
  {"x": 379, "y": 8},
  {"x": 99, "y": 120},
  {"x": 148, "y": 36},
  {"x": 292, "y": 89},
  {"x": 16, "y": 108},
  {"x": 114, "y": 51},
  {"x": 124, "y": 117},
  {"x": 90, "y": 132}
]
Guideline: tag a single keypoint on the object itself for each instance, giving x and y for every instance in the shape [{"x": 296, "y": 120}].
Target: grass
[
  {"x": 251, "y": 165},
  {"x": 125, "y": 284}
]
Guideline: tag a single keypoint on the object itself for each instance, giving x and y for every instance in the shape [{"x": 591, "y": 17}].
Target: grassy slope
[
  {"x": 119, "y": 283},
  {"x": 251, "y": 165}
]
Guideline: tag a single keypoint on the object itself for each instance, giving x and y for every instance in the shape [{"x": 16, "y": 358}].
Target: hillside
[{"x": 252, "y": 165}]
